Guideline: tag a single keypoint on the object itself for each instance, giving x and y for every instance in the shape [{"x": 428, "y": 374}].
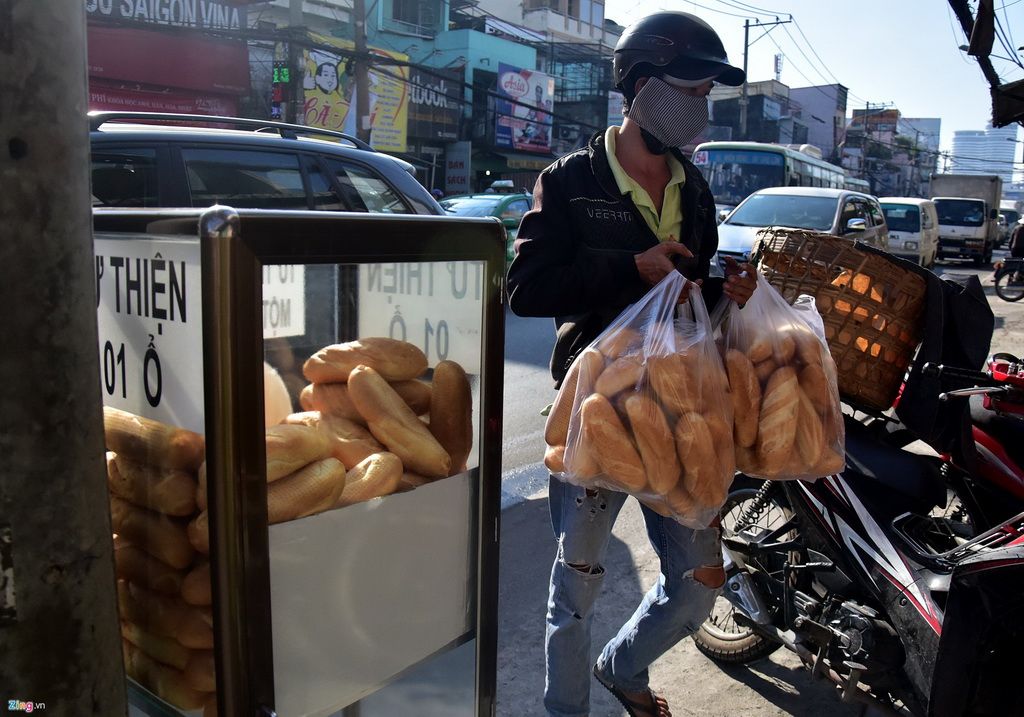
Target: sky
[{"x": 903, "y": 53}]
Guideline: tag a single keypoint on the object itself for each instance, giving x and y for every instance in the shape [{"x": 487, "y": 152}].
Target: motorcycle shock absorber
[{"x": 753, "y": 512}]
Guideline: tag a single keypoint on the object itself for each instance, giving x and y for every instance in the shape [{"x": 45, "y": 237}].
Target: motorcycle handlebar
[{"x": 937, "y": 370}]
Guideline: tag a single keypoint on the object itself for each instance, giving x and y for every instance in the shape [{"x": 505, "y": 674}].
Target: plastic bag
[
  {"x": 783, "y": 387},
  {"x": 644, "y": 409}
]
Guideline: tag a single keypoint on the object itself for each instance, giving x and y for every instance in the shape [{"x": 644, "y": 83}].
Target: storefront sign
[
  {"x": 434, "y": 103},
  {"x": 284, "y": 300},
  {"x": 437, "y": 306},
  {"x": 525, "y": 124},
  {"x": 457, "y": 161},
  {"x": 329, "y": 88},
  {"x": 149, "y": 312},
  {"x": 204, "y": 14}
]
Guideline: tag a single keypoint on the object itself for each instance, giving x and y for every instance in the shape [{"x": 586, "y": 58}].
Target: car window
[
  {"x": 903, "y": 217},
  {"x": 324, "y": 196},
  {"x": 516, "y": 209},
  {"x": 801, "y": 212},
  {"x": 370, "y": 190},
  {"x": 854, "y": 209},
  {"x": 244, "y": 178},
  {"x": 876, "y": 214},
  {"x": 124, "y": 178}
]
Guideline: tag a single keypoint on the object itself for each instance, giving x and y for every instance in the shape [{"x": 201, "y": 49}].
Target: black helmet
[{"x": 671, "y": 43}]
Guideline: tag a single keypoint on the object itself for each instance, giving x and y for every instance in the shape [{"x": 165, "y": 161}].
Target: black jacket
[{"x": 575, "y": 248}]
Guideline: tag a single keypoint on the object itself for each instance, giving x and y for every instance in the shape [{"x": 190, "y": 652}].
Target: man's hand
[
  {"x": 740, "y": 281},
  {"x": 656, "y": 263}
]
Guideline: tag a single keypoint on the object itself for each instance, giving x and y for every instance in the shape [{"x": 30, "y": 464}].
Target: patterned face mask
[{"x": 673, "y": 117}]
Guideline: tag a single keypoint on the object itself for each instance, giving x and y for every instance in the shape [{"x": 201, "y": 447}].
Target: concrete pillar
[{"x": 59, "y": 637}]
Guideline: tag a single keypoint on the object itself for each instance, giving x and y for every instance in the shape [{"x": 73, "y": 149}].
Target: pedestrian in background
[{"x": 608, "y": 222}]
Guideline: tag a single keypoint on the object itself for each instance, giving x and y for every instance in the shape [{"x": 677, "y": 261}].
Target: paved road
[{"x": 692, "y": 684}]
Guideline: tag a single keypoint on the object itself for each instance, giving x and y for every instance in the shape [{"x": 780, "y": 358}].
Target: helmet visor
[{"x": 692, "y": 70}]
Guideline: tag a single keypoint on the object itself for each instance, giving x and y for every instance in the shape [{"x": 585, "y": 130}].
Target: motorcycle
[
  {"x": 899, "y": 579},
  {"x": 1009, "y": 279}
]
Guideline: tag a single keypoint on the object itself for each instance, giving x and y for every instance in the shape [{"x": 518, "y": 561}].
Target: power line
[{"x": 720, "y": 12}]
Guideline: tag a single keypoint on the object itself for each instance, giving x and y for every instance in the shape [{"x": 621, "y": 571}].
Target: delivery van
[{"x": 913, "y": 228}]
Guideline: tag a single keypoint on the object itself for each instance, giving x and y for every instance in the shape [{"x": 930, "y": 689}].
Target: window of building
[
  {"x": 406, "y": 11},
  {"x": 124, "y": 178},
  {"x": 244, "y": 178}
]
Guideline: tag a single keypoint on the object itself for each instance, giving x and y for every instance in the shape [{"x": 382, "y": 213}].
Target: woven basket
[{"x": 871, "y": 307}]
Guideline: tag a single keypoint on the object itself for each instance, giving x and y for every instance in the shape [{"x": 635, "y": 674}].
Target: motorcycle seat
[
  {"x": 1006, "y": 429},
  {"x": 910, "y": 474}
]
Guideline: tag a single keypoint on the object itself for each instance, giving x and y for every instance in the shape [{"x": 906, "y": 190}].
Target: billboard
[
  {"x": 329, "y": 85},
  {"x": 435, "y": 103},
  {"x": 523, "y": 109}
]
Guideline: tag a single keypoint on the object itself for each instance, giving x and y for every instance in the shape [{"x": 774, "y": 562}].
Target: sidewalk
[{"x": 692, "y": 684}]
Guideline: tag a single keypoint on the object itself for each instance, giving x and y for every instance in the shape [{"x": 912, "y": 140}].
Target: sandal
[{"x": 634, "y": 708}]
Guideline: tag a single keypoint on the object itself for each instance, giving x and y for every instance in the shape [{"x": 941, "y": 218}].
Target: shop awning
[{"x": 510, "y": 161}]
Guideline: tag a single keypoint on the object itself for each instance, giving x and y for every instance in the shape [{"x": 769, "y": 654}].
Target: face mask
[{"x": 670, "y": 116}]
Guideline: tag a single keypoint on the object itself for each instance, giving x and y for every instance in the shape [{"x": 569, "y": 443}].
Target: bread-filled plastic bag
[
  {"x": 785, "y": 395},
  {"x": 645, "y": 410}
]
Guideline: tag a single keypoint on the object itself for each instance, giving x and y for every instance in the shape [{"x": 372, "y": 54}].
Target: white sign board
[
  {"x": 149, "y": 312},
  {"x": 284, "y": 300},
  {"x": 437, "y": 306}
]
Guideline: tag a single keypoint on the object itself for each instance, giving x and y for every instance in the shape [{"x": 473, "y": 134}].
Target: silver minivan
[
  {"x": 913, "y": 228},
  {"x": 841, "y": 212}
]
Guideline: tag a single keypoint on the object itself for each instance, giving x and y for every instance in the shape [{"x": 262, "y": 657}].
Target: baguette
[
  {"x": 764, "y": 370},
  {"x": 620, "y": 375},
  {"x": 165, "y": 616},
  {"x": 814, "y": 383},
  {"x": 198, "y": 532},
  {"x": 808, "y": 346},
  {"x": 681, "y": 503},
  {"x": 195, "y": 587},
  {"x": 200, "y": 672},
  {"x": 393, "y": 423},
  {"x": 655, "y": 442},
  {"x": 579, "y": 460},
  {"x": 721, "y": 437},
  {"x": 165, "y": 490},
  {"x": 412, "y": 480},
  {"x": 166, "y": 682},
  {"x": 202, "y": 496},
  {"x": 618, "y": 343},
  {"x": 376, "y": 476},
  {"x": 350, "y": 442},
  {"x": 151, "y": 442},
  {"x": 138, "y": 566},
  {"x": 162, "y": 649},
  {"x": 392, "y": 359},
  {"x": 554, "y": 459},
  {"x": 745, "y": 391},
  {"x": 290, "y": 447},
  {"x": 830, "y": 462},
  {"x": 703, "y": 476},
  {"x": 311, "y": 489},
  {"x": 332, "y": 399},
  {"x": 276, "y": 402},
  {"x": 785, "y": 347},
  {"x": 159, "y": 535},
  {"x": 810, "y": 433},
  {"x": 760, "y": 349},
  {"x": 451, "y": 415},
  {"x": 611, "y": 444},
  {"x": 676, "y": 382},
  {"x": 589, "y": 364},
  {"x": 776, "y": 430}
]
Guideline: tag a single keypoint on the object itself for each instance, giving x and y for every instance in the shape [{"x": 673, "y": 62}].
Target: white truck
[{"x": 968, "y": 209}]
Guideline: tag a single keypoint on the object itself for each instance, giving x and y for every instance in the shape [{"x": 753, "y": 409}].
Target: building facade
[
  {"x": 823, "y": 111},
  {"x": 987, "y": 151}
]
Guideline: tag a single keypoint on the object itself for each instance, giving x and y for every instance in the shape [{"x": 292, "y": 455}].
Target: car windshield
[
  {"x": 902, "y": 217},
  {"x": 471, "y": 206},
  {"x": 1012, "y": 216},
  {"x": 788, "y": 210},
  {"x": 961, "y": 212}
]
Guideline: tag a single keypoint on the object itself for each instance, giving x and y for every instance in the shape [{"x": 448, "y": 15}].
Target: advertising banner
[
  {"x": 457, "y": 163},
  {"x": 526, "y": 123},
  {"x": 434, "y": 103},
  {"x": 329, "y": 86}
]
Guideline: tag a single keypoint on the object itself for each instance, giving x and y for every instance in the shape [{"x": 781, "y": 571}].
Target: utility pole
[
  {"x": 769, "y": 26},
  {"x": 296, "y": 29},
  {"x": 362, "y": 68},
  {"x": 61, "y": 645}
]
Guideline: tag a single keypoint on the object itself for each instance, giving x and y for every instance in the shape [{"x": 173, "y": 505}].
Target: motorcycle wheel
[
  {"x": 720, "y": 637},
  {"x": 1007, "y": 288}
]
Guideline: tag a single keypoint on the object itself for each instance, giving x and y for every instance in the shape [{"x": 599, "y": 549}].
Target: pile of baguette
[
  {"x": 163, "y": 580},
  {"x": 371, "y": 429},
  {"x": 782, "y": 381},
  {"x": 658, "y": 427}
]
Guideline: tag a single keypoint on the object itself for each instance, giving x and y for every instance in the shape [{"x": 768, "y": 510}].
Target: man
[{"x": 608, "y": 222}]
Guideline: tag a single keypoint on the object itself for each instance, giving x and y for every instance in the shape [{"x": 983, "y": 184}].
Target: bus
[
  {"x": 736, "y": 169},
  {"x": 857, "y": 185}
]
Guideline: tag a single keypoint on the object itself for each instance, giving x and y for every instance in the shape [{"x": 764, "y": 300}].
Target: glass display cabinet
[{"x": 303, "y": 425}]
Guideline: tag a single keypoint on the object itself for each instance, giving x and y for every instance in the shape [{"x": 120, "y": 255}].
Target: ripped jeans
[{"x": 670, "y": 611}]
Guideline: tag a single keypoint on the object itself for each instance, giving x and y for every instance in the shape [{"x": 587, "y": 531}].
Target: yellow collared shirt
[{"x": 669, "y": 222}]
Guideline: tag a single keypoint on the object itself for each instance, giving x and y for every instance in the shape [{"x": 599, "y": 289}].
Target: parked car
[
  {"x": 835, "y": 211},
  {"x": 244, "y": 163},
  {"x": 913, "y": 228},
  {"x": 510, "y": 208}
]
